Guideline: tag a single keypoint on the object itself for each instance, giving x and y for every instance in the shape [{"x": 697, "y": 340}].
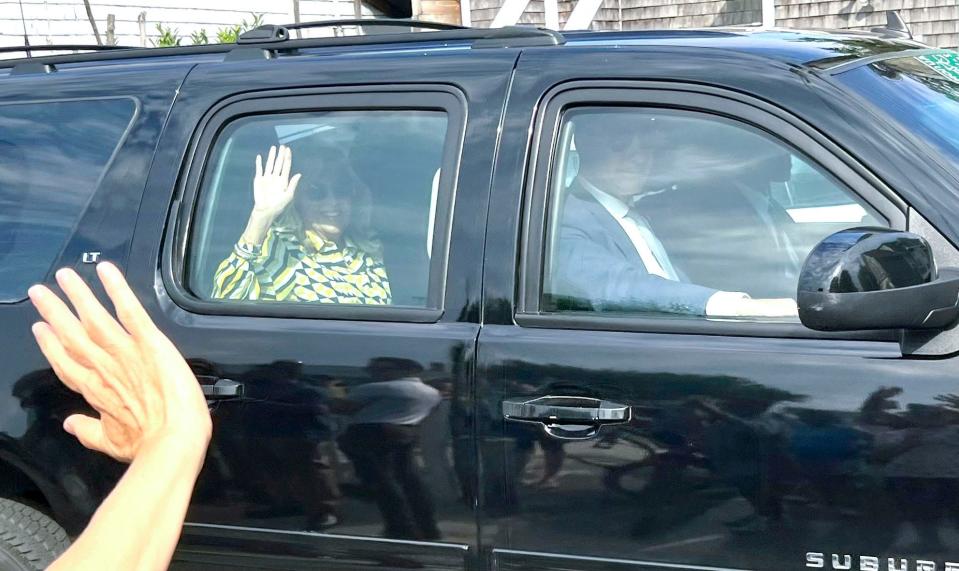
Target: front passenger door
[{"x": 631, "y": 424}]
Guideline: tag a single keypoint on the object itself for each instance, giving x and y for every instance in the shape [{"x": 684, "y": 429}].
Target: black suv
[{"x": 630, "y": 300}]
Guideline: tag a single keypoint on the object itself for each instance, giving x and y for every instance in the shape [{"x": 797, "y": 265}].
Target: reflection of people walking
[{"x": 381, "y": 441}]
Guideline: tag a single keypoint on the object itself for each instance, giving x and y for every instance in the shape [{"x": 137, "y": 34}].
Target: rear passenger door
[
  {"x": 623, "y": 429},
  {"x": 343, "y": 427}
]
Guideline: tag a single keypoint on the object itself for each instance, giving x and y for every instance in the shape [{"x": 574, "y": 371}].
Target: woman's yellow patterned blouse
[{"x": 286, "y": 268}]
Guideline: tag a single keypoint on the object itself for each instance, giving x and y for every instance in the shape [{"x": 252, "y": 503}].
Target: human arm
[
  {"x": 152, "y": 414},
  {"x": 585, "y": 266},
  {"x": 588, "y": 266},
  {"x": 243, "y": 274},
  {"x": 357, "y": 398},
  {"x": 138, "y": 525}
]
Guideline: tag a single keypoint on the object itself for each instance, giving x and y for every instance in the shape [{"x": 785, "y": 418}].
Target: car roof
[
  {"x": 798, "y": 47},
  {"x": 819, "y": 48}
]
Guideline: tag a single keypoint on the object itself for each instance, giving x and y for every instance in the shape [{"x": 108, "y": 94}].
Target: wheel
[{"x": 29, "y": 539}]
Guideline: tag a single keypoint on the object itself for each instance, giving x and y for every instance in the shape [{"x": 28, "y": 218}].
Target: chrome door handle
[
  {"x": 217, "y": 388},
  {"x": 567, "y": 417}
]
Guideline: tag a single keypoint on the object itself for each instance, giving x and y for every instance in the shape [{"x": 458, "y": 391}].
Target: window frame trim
[
  {"x": 780, "y": 125},
  {"x": 184, "y": 206}
]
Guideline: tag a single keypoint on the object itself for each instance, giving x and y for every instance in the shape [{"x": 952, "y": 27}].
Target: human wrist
[
  {"x": 183, "y": 447},
  {"x": 256, "y": 228},
  {"x": 262, "y": 213}
]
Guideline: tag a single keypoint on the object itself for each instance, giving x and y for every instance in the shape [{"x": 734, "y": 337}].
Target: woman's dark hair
[{"x": 328, "y": 168}]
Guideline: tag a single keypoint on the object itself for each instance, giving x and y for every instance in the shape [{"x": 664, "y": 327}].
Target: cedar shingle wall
[
  {"x": 638, "y": 14},
  {"x": 935, "y": 22},
  {"x": 646, "y": 14}
]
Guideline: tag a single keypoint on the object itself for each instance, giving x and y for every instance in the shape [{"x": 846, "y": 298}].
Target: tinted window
[
  {"x": 921, "y": 93},
  {"x": 356, "y": 228},
  {"x": 52, "y": 156},
  {"x": 683, "y": 213}
]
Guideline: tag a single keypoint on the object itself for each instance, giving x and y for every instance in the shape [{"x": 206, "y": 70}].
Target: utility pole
[{"x": 296, "y": 17}]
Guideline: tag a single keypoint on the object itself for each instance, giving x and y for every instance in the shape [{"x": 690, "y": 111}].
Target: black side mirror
[{"x": 875, "y": 278}]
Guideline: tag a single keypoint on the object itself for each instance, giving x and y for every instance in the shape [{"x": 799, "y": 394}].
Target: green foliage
[
  {"x": 229, "y": 34},
  {"x": 199, "y": 37},
  {"x": 168, "y": 37},
  {"x": 225, "y": 35},
  {"x": 256, "y": 22}
]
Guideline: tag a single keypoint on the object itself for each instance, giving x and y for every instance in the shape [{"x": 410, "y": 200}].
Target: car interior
[{"x": 397, "y": 162}]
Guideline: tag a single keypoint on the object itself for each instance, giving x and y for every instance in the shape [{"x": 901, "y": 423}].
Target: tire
[{"x": 29, "y": 539}]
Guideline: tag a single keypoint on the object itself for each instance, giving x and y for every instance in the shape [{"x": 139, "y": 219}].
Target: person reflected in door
[
  {"x": 381, "y": 441},
  {"x": 297, "y": 412},
  {"x": 606, "y": 253},
  {"x": 308, "y": 237}
]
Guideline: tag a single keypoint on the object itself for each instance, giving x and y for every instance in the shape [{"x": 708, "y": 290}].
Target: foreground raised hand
[{"x": 151, "y": 413}]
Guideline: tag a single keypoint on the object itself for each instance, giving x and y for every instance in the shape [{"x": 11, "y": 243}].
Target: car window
[
  {"x": 358, "y": 228},
  {"x": 920, "y": 92},
  {"x": 684, "y": 214},
  {"x": 52, "y": 156}
]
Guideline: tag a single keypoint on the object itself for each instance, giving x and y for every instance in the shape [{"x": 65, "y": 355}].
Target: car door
[
  {"x": 340, "y": 388},
  {"x": 631, "y": 423}
]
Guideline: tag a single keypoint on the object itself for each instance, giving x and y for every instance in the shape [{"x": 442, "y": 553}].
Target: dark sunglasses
[{"x": 319, "y": 193}]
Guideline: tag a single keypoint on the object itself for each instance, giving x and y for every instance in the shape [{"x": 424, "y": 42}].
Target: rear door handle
[
  {"x": 567, "y": 417},
  {"x": 217, "y": 388}
]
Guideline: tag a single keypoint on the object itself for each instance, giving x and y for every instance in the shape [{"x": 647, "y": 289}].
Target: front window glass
[{"x": 684, "y": 214}]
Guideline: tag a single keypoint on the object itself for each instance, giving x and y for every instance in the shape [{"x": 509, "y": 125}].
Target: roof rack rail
[
  {"x": 271, "y": 43},
  {"x": 265, "y": 41},
  {"x": 895, "y": 26},
  {"x": 270, "y": 33},
  {"x": 388, "y": 22},
  {"x": 519, "y": 37},
  {"x": 61, "y": 47}
]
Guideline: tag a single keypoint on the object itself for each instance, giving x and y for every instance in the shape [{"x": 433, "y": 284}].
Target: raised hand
[
  {"x": 273, "y": 190},
  {"x": 273, "y": 187},
  {"x": 129, "y": 371}
]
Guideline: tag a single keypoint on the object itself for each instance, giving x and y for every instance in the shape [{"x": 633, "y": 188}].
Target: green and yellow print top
[{"x": 286, "y": 268}]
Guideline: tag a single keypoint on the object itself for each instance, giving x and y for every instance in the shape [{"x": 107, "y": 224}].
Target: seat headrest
[{"x": 715, "y": 157}]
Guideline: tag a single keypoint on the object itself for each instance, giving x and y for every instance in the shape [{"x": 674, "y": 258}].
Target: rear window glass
[
  {"x": 52, "y": 156},
  {"x": 357, "y": 226}
]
